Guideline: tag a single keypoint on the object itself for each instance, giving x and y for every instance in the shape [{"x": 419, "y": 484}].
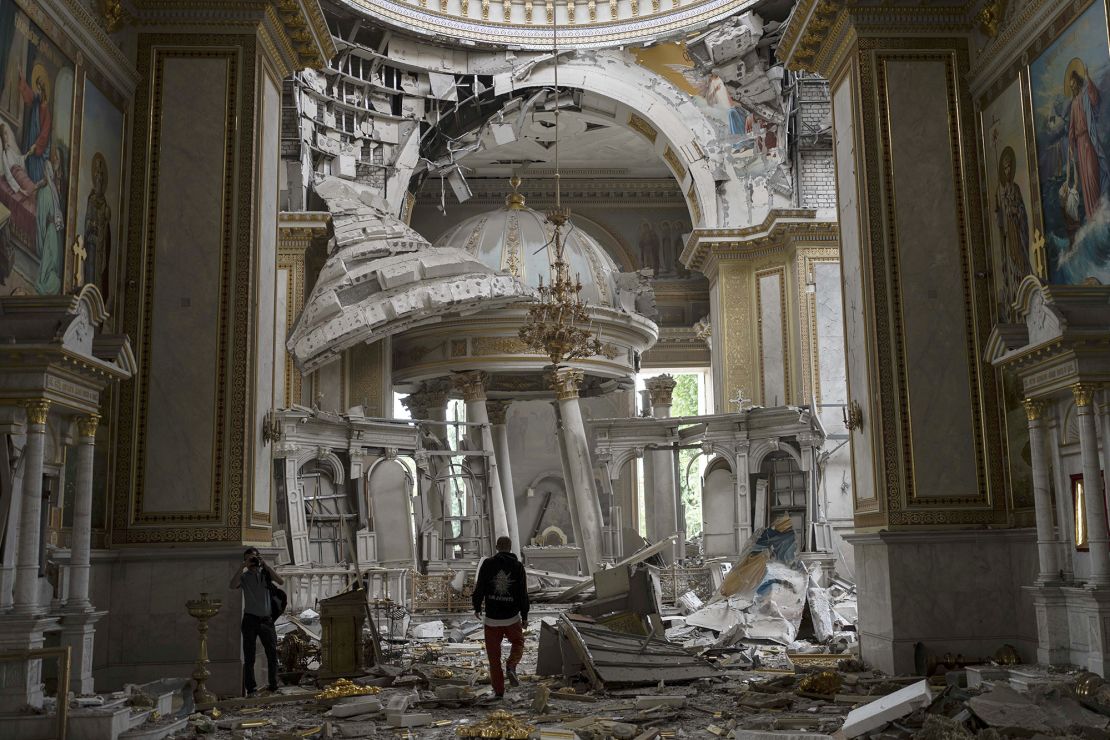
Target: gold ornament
[
  {"x": 87, "y": 425},
  {"x": 1033, "y": 409},
  {"x": 343, "y": 688},
  {"x": 825, "y": 683},
  {"x": 37, "y": 411},
  {"x": 499, "y": 724}
]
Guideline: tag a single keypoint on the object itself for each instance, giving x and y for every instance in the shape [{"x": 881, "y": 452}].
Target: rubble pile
[{"x": 771, "y": 655}]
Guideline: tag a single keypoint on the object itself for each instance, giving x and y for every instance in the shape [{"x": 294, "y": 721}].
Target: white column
[
  {"x": 27, "y": 557},
  {"x": 1065, "y": 507},
  {"x": 1104, "y": 418},
  {"x": 81, "y": 536},
  {"x": 473, "y": 387},
  {"x": 1042, "y": 496},
  {"x": 578, "y": 464},
  {"x": 663, "y": 490},
  {"x": 572, "y": 506},
  {"x": 498, "y": 416},
  {"x": 1094, "y": 503}
]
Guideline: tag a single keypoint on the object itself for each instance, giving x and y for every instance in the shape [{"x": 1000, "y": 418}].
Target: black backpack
[{"x": 278, "y": 598}]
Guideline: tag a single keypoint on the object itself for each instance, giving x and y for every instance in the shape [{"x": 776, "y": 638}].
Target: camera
[{"x": 255, "y": 560}]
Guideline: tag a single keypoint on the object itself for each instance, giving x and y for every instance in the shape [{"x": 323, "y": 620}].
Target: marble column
[
  {"x": 473, "y": 387},
  {"x": 81, "y": 535},
  {"x": 1104, "y": 420},
  {"x": 663, "y": 490},
  {"x": 1042, "y": 497},
  {"x": 1065, "y": 507},
  {"x": 572, "y": 506},
  {"x": 30, "y": 515},
  {"x": 580, "y": 483},
  {"x": 1094, "y": 502},
  {"x": 498, "y": 411}
]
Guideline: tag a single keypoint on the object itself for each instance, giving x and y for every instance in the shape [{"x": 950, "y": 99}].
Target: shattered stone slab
[{"x": 862, "y": 720}]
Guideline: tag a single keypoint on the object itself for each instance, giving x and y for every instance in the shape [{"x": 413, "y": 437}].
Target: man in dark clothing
[
  {"x": 254, "y": 576},
  {"x": 503, "y": 586}
]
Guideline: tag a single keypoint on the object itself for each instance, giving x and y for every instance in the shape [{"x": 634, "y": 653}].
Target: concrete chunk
[
  {"x": 647, "y": 702},
  {"x": 887, "y": 709},
  {"x": 361, "y": 705},
  {"x": 416, "y": 719}
]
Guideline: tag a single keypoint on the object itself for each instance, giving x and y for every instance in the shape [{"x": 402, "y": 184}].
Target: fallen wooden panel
[{"x": 612, "y": 659}]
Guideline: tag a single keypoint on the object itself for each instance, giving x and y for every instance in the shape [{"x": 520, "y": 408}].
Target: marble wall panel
[
  {"x": 930, "y": 272},
  {"x": 830, "y": 333},
  {"x": 772, "y": 337},
  {"x": 854, "y": 297},
  {"x": 183, "y": 359},
  {"x": 266, "y": 251},
  {"x": 390, "y": 490}
]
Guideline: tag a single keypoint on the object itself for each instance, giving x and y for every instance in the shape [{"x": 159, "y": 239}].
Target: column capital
[
  {"x": 497, "y": 411},
  {"x": 472, "y": 384},
  {"x": 37, "y": 411},
  {"x": 1084, "y": 394},
  {"x": 1034, "y": 409},
  {"x": 566, "y": 381},
  {"x": 661, "y": 387},
  {"x": 86, "y": 426},
  {"x": 417, "y": 405}
]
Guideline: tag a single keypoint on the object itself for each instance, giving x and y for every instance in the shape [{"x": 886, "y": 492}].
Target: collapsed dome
[{"x": 520, "y": 241}]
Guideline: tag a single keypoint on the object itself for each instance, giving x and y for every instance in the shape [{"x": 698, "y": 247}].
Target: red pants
[{"x": 514, "y": 633}]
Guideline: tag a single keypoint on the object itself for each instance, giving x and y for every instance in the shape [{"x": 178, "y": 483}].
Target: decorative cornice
[
  {"x": 782, "y": 228},
  {"x": 816, "y": 33},
  {"x": 37, "y": 411},
  {"x": 566, "y": 382},
  {"x": 303, "y": 225},
  {"x": 610, "y": 192},
  {"x": 631, "y": 24},
  {"x": 298, "y": 26}
]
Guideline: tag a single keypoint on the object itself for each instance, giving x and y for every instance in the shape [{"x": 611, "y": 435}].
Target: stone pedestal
[
  {"x": 1087, "y": 612},
  {"x": 78, "y": 632},
  {"x": 1053, "y": 639},
  {"x": 21, "y": 681},
  {"x": 954, "y": 591}
]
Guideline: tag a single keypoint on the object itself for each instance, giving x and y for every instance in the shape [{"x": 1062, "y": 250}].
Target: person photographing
[
  {"x": 502, "y": 585},
  {"x": 254, "y": 577}
]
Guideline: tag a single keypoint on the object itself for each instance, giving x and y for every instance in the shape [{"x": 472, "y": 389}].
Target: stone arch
[
  {"x": 763, "y": 448},
  {"x": 328, "y": 459},
  {"x": 666, "y": 116}
]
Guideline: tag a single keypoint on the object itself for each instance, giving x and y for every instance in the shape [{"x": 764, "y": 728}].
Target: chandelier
[{"x": 558, "y": 322}]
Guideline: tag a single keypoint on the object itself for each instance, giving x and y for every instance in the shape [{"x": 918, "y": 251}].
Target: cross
[
  {"x": 79, "y": 255},
  {"x": 742, "y": 403}
]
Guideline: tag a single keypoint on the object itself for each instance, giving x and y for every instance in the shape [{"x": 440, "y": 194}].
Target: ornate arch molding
[
  {"x": 668, "y": 118},
  {"x": 762, "y": 449},
  {"x": 326, "y": 457}
]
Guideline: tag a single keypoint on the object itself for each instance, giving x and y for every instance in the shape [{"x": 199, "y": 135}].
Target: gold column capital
[
  {"x": 37, "y": 411},
  {"x": 498, "y": 411},
  {"x": 661, "y": 388},
  {"x": 472, "y": 384},
  {"x": 1034, "y": 409},
  {"x": 86, "y": 425},
  {"x": 1084, "y": 394},
  {"x": 565, "y": 381}
]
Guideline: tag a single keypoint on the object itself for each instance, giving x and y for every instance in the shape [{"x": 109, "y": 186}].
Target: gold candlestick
[{"x": 202, "y": 610}]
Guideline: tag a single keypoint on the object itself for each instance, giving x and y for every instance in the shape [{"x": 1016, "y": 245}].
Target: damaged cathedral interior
[{"x": 554, "y": 369}]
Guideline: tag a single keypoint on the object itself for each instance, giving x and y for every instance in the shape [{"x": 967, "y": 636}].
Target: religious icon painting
[
  {"x": 1006, "y": 164},
  {"x": 1070, "y": 90},
  {"x": 36, "y": 120},
  {"x": 99, "y": 187}
]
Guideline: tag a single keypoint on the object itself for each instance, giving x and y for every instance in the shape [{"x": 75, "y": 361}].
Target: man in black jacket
[{"x": 503, "y": 586}]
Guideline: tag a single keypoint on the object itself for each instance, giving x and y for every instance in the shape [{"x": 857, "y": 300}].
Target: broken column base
[{"x": 953, "y": 591}]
